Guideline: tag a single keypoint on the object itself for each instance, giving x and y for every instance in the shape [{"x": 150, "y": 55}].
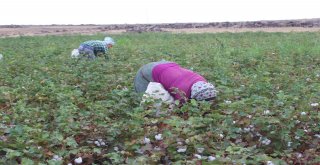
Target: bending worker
[{"x": 181, "y": 83}]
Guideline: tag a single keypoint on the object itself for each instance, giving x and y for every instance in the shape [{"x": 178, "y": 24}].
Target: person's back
[
  {"x": 96, "y": 45},
  {"x": 172, "y": 76}
]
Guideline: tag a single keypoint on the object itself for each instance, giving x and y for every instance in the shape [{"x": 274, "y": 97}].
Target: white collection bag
[
  {"x": 75, "y": 53},
  {"x": 156, "y": 91}
]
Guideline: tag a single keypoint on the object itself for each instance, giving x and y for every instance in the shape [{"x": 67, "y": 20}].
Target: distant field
[
  {"x": 301, "y": 25},
  {"x": 54, "y": 109}
]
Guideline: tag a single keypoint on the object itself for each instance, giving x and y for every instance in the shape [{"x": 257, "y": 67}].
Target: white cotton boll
[
  {"x": 270, "y": 163},
  {"x": 1, "y": 56},
  {"x": 299, "y": 155},
  {"x": 182, "y": 149},
  {"x": 157, "y": 148},
  {"x": 102, "y": 143},
  {"x": 266, "y": 112},
  {"x": 303, "y": 113},
  {"x": 55, "y": 156},
  {"x": 314, "y": 104},
  {"x": 246, "y": 129},
  {"x": 179, "y": 143},
  {"x": 289, "y": 144},
  {"x": 197, "y": 156},
  {"x": 139, "y": 151},
  {"x": 297, "y": 137},
  {"x": 146, "y": 140},
  {"x": 75, "y": 53},
  {"x": 221, "y": 135},
  {"x": 318, "y": 75},
  {"x": 317, "y": 136},
  {"x": 78, "y": 160},
  {"x": 200, "y": 150},
  {"x": 158, "y": 137},
  {"x": 211, "y": 158},
  {"x": 266, "y": 141},
  {"x": 116, "y": 149},
  {"x": 69, "y": 163},
  {"x": 97, "y": 143},
  {"x": 258, "y": 134},
  {"x": 227, "y": 101}
]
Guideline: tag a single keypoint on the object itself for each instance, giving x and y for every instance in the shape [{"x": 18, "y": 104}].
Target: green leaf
[{"x": 71, "y": 142}]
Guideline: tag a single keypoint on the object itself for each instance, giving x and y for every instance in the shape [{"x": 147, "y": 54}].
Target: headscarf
[
  {"x": 108, "y": 40},
  {"x": 203, "y": 90}
]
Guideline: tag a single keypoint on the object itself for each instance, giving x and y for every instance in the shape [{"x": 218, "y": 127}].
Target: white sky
[{"x": 44, "y": 12}]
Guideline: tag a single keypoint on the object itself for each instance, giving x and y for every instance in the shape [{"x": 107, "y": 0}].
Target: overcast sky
[{"x": 44, "y": 12}]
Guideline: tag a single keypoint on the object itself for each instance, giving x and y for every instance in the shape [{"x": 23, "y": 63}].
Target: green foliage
[{"x": 51, "y": 104}]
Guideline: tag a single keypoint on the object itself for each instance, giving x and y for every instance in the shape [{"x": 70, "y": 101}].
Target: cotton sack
[
  {"x": 75, "y": 53},
  {"x": 156, "y": 91}
]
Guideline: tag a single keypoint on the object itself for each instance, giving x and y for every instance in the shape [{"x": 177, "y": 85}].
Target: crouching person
[
  {"x": 181, "y": 83},
  {"x": 93, "y": 48}
]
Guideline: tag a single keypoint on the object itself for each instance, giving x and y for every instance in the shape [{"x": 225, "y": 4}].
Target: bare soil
[{"x": 303, "y": 25}]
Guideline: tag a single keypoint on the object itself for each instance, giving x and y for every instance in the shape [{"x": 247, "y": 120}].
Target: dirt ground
[{"x": 310, "y": 25}]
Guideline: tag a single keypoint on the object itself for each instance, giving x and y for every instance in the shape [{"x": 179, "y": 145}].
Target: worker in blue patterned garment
[{"x": 94, "y": 48}]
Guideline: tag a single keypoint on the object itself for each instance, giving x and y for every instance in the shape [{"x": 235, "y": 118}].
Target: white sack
[
  {"x": 75, "y": 53},
  {"x": 156, "y": 91}
]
